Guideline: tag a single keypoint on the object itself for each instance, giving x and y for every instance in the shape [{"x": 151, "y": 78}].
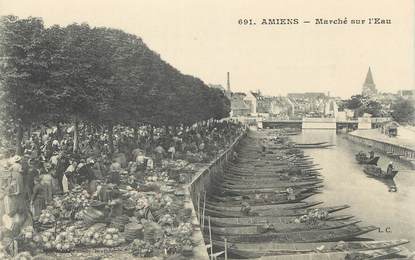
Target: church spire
[
  {"x": 369, "y": 78},
  {"x": 369, "y": 87}
]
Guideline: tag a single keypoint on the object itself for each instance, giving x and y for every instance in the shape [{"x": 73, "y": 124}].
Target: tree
[
  {"x": 354, "y": 102},
  {"x": 101, "y": 76},
  {"x": 23, "y": 73},
  {"x": 403, "y": 110},
  {"x": 371, "y": 107}
]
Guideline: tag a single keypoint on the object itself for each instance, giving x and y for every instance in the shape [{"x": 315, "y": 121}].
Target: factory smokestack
[{"x": 228, "y": 83}]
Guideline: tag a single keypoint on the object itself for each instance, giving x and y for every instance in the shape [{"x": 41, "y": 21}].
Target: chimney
[{"x": 228, "y": 84}]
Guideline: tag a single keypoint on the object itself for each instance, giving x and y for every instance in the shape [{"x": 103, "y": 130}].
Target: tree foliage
[
  {"x": 403, "y": 110},
  {"x": 361, "y": 105},
  {"x": 102, "y": 76}
]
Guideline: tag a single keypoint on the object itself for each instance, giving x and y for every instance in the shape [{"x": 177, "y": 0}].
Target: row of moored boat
[{"x": 255, "y": 208}]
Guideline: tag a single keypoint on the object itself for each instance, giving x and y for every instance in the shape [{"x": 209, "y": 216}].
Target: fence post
[{"x": 210, "y": 237}]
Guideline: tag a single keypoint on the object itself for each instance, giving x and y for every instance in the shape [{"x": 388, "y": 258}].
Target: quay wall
[
  {"x": 196, "y": 191},
  {"x": 405, "y": 154}
]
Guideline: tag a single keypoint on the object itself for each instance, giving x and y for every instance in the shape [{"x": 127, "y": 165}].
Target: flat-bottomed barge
[{"x": 254, "y": 208}]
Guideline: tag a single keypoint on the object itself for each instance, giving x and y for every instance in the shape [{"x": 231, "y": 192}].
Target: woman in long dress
[
  {"x": 38, "y": 200},
  {"x": 46, "y": 181}
]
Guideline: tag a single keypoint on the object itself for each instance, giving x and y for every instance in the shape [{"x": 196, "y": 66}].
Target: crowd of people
[{"x": 51, "y": 166}]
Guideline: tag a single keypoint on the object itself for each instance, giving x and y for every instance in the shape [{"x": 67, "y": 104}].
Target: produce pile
[
  {"x": 154, "y": 221},
  {"x": 313, "y": 216},
  {"x": 176, "y": 240}
]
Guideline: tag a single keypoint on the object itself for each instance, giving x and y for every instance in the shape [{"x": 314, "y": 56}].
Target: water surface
[{"x": 369, "y": 198}]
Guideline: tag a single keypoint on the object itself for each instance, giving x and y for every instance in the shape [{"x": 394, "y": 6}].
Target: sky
[{"x": 204, "y": 39}]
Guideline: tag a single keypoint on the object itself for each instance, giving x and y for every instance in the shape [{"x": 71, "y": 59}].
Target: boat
[
  {"x": 272, "y": 172},
  {"x": 273, "y": 186},
  {"x": 314, "y": 146},
  {"x": 243, "y": 184},
  {"x": 362, "y": 158},
  {"x": 381, "y": 253},
  {"x": 376, "y": 171},
  {"x": 248, "y": 177},
  {"x": 369, "y": 255},
  {"x": 293, "y": 227},
  {"x": 274, "y": 213},
  {"x": 255, "y": 250},
  {"x": 274, "y": 166},
  {"x": 298, "y": 146},
  {"x": 264, "y": 199},
  {"x": 329, "y": 235},
  {"x": 253, "y": 221},
  {"x": 319, "y": 143},
  {"x": 297, "y": 205},
  {"x": 262, "y": 176},
  {"x": 258, "y": 193},
  {"x": 278, "y": 177}
]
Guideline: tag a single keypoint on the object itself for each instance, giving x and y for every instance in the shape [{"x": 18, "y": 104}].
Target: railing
[
  {"x": 404, "y": 153},
  {"x": 199, "y": 186},
  {"x": 202, "y": 179}
]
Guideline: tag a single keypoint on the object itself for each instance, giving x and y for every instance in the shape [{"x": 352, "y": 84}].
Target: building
[
  {"x": 306, "y": 95},
  {"x": 238, "y": 105},
  {"x": 330, "y": 108},
  {"x": 274, "y": 106},
  {"x": 308, "y": 104},
  {"x": 251, "y": 100},
  {"x": 407, "y": 94},
  {"x": 369, "y": 86}
]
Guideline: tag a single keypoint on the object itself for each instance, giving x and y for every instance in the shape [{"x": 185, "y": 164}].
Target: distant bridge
[{"x": 319, "y": 123}]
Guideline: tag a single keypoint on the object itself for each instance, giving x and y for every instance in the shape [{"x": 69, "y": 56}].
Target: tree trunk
[
  {"x": 19, "y": 139},
  {"x": 59, "y": 132},
  {"x": 75, "y": 136},
  {"x": 135, "y": 135},
  {"x": 111, "y": 137},
  {"x": 29, "y": 131}
]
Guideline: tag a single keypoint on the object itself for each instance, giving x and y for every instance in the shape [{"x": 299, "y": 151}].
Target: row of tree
[
  {"x": 100, "y": 75},
  {"x": 400, "y": 109}
]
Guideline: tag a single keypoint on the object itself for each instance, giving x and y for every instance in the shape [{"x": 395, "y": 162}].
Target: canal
[{"x": 369, "y": 198}]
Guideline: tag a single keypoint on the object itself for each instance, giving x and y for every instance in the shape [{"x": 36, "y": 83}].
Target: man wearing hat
[{"x": 85, "y": 173}]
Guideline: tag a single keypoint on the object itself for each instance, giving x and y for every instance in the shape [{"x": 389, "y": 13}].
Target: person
[
  {"x": 16, "y": 203},
  {"x": 245, "y": 208},
  {"x": 290, "y": 194},
  {"x": 46, "y": 180},
  {"x": 114, "y": 173},
  {"x": 17, "y": 192},
  {"x": 172, "y": 151},
  {"x": 69, "y": 176},
  {"x": 234, "y": 156},
  {"x": 29, "y": 173},
  {"x": 116, "y": 205},
  {"x": 159, "y": 155},
  {"x": 371, "y": 154},
  {"x": 62, "y": 164},
  {"x": 56, "y": 186},
  {"x": 85, "y": 172},
  {"x": 390, "y": 167},
  {"x": 38, "y": 199},
  {"x": 97, "y": 169}
]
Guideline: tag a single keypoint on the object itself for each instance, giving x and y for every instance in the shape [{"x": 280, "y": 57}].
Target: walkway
[{"x": 405, "y": 138}]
